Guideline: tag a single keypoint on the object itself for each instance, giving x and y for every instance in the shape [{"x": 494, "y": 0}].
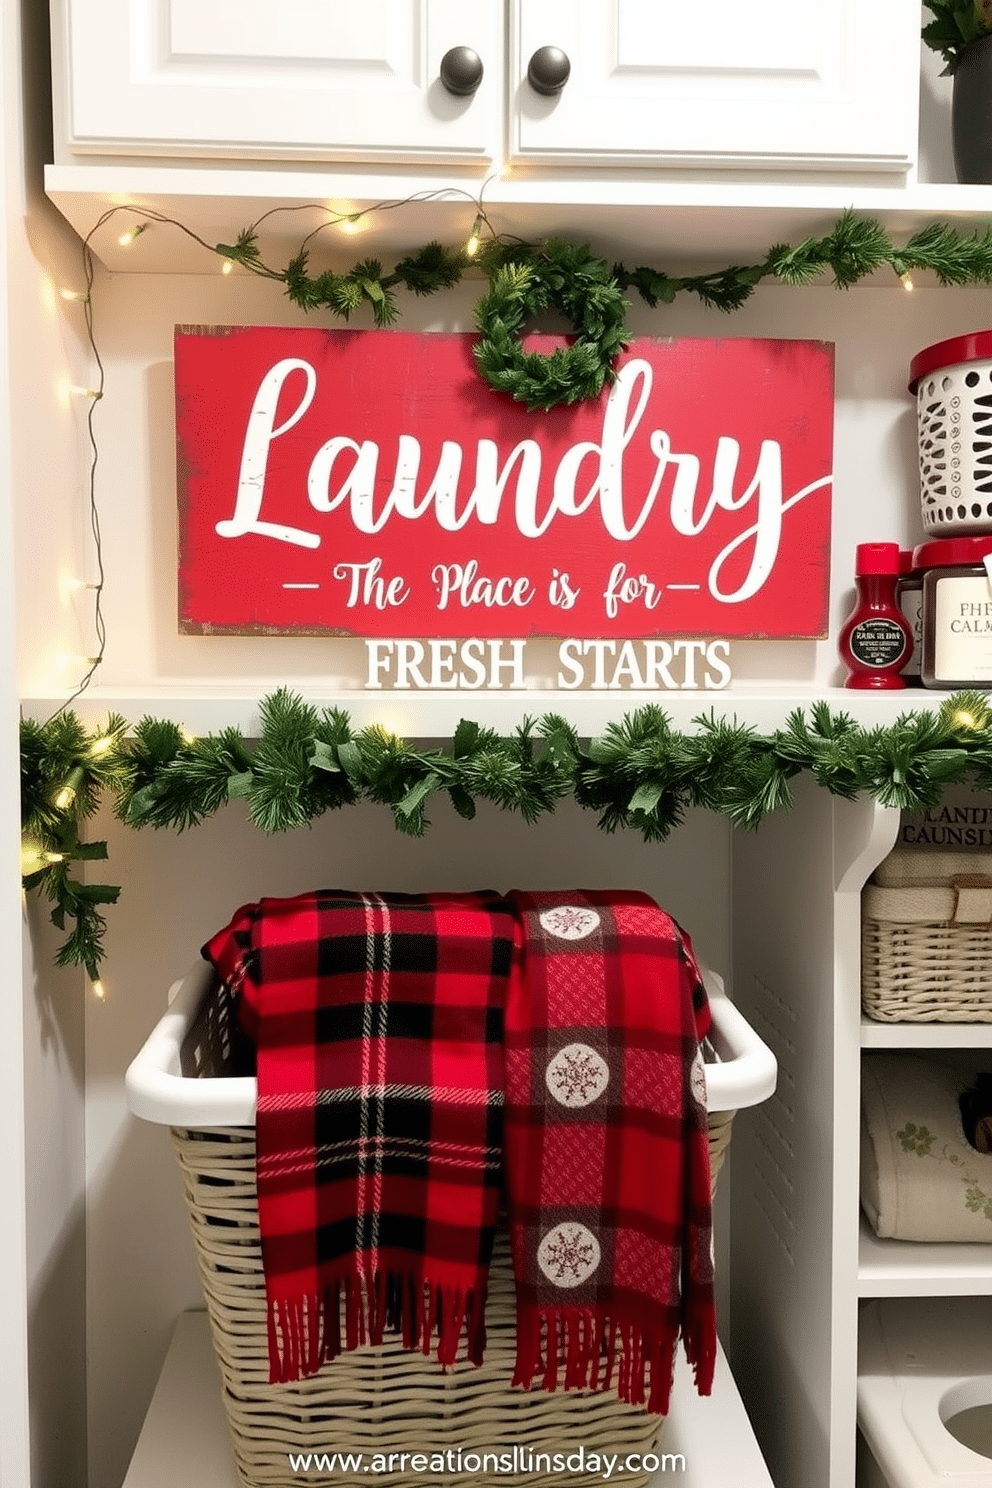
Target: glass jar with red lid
[
  {"x": 909, "y": 596},
  {"x": 957, "y": 612}
]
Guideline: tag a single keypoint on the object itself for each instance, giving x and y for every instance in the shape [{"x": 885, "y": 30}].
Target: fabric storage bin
[
  {"x": 384, "y": 1399},
  {"x": 926, "y": 938}
]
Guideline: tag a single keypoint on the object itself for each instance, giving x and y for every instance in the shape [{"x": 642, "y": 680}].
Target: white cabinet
[
  {"x": 246, "y": 79},
  {"x": 650, "y": 82},
  {"x": 829, "y": 83}
]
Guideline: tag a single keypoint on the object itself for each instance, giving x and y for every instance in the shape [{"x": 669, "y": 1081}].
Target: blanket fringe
[
  {"x": 593, "y": 1349},
  {"x": 304, "y": 1332}
]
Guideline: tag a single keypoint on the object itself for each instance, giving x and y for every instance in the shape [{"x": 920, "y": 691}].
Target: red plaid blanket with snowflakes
[
  {"x": 607, "y": 1155},
  {"x": 377, "y": 1020}
]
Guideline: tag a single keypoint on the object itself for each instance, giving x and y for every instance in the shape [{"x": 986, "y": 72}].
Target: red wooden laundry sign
[{"x": 369, "y": 483}]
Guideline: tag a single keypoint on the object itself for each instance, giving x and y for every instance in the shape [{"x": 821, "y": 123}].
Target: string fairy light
[
  {"x": 74, "y": 295},
  {"x": 127, "y": 238},
  {"x": 32, "y": 856},
  {"x": 69, "y": 790},
  {"x": 472, "y": 246},
  {"x": 98, "y": 989},
  {"x": 69, "y": 660}
]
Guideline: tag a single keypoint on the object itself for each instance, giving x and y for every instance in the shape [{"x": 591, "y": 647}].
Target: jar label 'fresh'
[{"x": 962, "y": 629}]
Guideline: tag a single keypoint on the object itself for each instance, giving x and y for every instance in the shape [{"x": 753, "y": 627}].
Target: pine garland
[
  {"x": 526, "y": 279},
  {"x": 642, "y": 774},
  {"x": 64, "y": 772}
]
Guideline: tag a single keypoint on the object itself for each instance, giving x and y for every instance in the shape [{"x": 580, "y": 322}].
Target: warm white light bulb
[
  {"x": 127, "y": 238},
  {"x": 472, "y": 246},
  {"x": 70, "y": 584},
  {"x": 101, "y": 745},
  {"x": 906, "y": 281},
  {"x": 78, "y": 295},
  {"x": 228, "y": 267},
  {"x": 98, "y": 989},
  {"x": 67, "y": 794}
]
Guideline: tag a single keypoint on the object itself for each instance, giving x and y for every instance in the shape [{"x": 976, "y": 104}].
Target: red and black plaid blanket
[
  {"x": 607, "y": 1154},
  {"x": 377, "y": 1020}
]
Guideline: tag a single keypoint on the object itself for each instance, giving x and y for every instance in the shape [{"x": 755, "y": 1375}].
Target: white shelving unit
[
  {"x": 876, "y": 1035},
  {"x": 796, "y": 1173},
  {"x": 904, "y": 1268},
  {"x": 436, "y": 714},
  {"x": 641, "y": 216}
]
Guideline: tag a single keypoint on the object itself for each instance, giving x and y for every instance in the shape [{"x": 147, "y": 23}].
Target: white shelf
[
  {"x": 184, "y": 1439},
  {"x": 643, "y": 216},
  {"x": 909, "y": 1268},
  {"x": 206, "y": 707},
  {"x": 876, "y": 1035}
]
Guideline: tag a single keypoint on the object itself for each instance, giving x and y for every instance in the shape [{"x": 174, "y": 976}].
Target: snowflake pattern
[
  {"x": 569, "y": 922},
  {"x": 697, "y": 1079},
  {"x": 577, "y": 1075},
  {"x": 568, "y": 1255}
]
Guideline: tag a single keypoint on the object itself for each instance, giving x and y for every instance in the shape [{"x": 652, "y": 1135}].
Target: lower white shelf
[
  {"x": 924, "y": 1036},
  {"x": 184, "y": 1439},
  {"x": 913, "y": 1268}
]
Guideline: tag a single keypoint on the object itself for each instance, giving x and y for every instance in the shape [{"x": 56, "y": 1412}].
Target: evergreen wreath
[
  {"x": 641, "y": 774},
  {"x": 560, "y": 276}
]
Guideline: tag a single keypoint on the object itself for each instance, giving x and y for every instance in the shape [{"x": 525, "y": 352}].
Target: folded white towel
[{"x": 920, "y": 1179}]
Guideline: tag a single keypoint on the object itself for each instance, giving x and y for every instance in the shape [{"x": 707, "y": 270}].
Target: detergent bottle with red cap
[{"x": 876, "y": 640}]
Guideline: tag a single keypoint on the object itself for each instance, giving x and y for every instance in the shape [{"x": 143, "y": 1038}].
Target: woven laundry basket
[
  {"x": 926, "y": 938},
  {"x": 386, "y": 1399}
]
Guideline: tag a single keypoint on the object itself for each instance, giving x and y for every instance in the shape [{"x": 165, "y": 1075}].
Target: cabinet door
[
  {"x": 827, "y": 83},
  {"x": 277, "y": 78}
]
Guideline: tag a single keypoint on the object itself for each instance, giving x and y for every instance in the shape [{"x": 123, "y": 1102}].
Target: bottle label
[
  {"x": 879, "y": 644},
  {"x": 962, "y": 630}
]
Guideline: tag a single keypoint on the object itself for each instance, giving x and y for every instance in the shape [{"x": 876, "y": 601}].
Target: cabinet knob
[
  {"x": 461, "y": 70},
  {"x": 548, "y": 70}
]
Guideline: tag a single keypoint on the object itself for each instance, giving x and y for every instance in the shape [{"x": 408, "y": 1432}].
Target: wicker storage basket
[
  {"x": 371, "y": 1400},
  {"x": 926, "y": 938}
]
